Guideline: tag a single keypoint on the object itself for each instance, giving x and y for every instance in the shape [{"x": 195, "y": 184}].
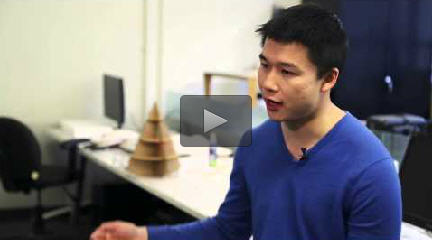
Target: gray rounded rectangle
[{"x": 227, "y": 117}]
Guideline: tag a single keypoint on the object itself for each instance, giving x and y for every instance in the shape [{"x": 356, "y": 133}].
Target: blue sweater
[{"x": 346, "y": 189}]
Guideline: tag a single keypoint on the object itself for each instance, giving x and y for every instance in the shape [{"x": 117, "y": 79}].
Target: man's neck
[{"x": 308, "y": 131}]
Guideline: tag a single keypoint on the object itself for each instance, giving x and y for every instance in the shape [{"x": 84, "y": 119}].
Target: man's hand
[{"x": 119, "y": 231}]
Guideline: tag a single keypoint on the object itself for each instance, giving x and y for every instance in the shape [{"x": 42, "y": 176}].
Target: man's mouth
[{"x": 273, "y": 105}]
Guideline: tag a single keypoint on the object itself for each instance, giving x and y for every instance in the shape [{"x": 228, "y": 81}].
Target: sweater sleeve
[
  {"x": 375, "y": 211},
  {"x": 232, "y": 222}
]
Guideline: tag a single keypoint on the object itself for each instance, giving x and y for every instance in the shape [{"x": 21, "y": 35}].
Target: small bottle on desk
[{"x": 212, "y": 150}]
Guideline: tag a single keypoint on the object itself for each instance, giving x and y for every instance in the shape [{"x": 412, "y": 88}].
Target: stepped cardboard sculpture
[{"x": 154, "y": 154}]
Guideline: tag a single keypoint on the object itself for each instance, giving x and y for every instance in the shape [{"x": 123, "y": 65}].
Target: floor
[
  {"x": 133, "y": 205},
  {"x": 16, "y": 224}
]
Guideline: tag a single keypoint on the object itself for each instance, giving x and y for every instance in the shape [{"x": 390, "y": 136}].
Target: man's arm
[
  {"x": 233, "y": 221},
  {"x": 374, "y": 209}
]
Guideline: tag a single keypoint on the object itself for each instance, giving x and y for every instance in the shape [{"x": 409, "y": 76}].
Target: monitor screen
[
  {"x": 415, "y": 172},
  {"x": 114, "y": 98}
]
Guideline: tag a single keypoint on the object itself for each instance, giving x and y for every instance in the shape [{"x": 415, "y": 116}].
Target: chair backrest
[
  {"x": 20, "y": 155},
  {"x": 416, "y": 185}
]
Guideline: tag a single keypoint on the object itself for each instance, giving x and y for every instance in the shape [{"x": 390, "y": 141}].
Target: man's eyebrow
[
  {"x": 282, "y": 64},
  {"x": 262, "y": 57}
]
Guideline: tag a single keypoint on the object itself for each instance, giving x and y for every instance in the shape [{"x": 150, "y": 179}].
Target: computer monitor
[
  {"x": 415, "y": 176},
  {"x": 114, "y": 98}
]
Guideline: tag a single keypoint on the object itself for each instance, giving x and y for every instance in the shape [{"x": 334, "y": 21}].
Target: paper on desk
[
  {"x": 84, "y": 128},
  {"x": 411, "y": 232}
]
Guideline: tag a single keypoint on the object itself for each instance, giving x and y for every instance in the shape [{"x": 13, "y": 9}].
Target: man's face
[{"x": 288, "y": 82}]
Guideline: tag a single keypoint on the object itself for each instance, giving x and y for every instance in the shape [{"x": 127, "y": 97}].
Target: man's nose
[{"x": 269, "y": 83}]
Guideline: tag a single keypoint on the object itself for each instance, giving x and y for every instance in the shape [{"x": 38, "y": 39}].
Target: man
[{"x": 313, "y": 172}]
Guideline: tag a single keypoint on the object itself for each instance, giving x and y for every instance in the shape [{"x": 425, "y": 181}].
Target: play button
[
  {"x": 212, "y": 121},
  {"x": 226, "y": 118}
]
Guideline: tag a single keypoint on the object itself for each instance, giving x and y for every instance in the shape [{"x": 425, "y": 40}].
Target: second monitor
[{"x": 114, "y": 103}]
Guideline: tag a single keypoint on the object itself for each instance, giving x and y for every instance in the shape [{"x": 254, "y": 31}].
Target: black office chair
[
  {"x": 21, "y": 169},
  {"x": 416, "y": 187}
]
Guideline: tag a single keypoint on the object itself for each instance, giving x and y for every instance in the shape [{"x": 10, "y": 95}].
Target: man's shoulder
[
  {"x": 263, "y": 134},
  {"x": 358, "y": 136},
  {"x": 268, "y": 128},
  {"x": 359, "y": 145}
]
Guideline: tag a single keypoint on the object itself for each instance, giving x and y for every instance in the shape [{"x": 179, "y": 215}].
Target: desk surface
[{"x": 195, "y": 188}]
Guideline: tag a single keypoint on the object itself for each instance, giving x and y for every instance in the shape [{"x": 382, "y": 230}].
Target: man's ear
[{"x": 330, "y": 79}]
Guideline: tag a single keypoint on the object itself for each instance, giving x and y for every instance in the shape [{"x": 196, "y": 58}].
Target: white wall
[
  {"x": 215, "y": 36},
  {"x": 52, "y": 57}
]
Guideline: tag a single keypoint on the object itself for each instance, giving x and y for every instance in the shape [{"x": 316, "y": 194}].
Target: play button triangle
[{"x": 212, "y": 121}]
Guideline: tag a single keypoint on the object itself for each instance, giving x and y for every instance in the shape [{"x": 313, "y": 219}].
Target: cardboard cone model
[{"x": 154, "y": 154}]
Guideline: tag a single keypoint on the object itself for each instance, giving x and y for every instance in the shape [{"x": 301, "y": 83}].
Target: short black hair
[{"x": 316, "y": 28}]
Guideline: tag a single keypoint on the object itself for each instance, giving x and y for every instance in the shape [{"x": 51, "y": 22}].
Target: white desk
[{"x": 195, "y": 188}]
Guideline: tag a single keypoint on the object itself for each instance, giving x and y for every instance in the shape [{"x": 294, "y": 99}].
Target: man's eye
[
  {"x": 264, "y": 65},
  {"x": 286, "y": 72}
]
